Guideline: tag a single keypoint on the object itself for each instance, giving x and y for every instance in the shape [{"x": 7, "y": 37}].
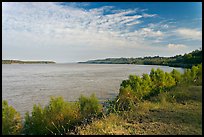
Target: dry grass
[
  {"x": 155, "y": 118},
  {"x": 111, "y": 125}
]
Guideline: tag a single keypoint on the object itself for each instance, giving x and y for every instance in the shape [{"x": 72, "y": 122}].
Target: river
[{"x": 24, "y": 85}]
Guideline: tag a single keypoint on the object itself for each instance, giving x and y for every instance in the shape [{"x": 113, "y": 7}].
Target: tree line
[
  {"x": 186, "y": 61},
  {"x": 25, "y": 62}
]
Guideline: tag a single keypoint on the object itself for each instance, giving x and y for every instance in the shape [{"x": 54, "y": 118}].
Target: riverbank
[
  {"x": 154, "y": 104},
  {"x": 159, "y": 117},
  {"x": 185, "y": 61},
  {"x": 26, "y": 62}
]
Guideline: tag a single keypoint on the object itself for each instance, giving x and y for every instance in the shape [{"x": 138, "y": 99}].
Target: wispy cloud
[
  {"x": 147, "y": 32},
  {"x": 176, "y": 46},
  {"x": 51, "y": 19},
  {"x": 149, "y": 15},
  {"x": 189, "y": 33},
  {"x": 69, "y": 28}
]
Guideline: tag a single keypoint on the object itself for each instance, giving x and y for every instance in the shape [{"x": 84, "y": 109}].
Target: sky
[{"x": 81, "y": 31}]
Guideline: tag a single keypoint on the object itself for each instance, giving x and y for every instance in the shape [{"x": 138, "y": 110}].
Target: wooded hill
[{"x": 187, "y": 60}]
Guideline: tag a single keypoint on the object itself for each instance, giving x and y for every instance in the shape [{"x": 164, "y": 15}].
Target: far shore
[{"x": 26, "y": 62}]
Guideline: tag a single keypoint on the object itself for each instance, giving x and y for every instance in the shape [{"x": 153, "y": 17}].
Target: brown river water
[{"x": 24, "y": 85}]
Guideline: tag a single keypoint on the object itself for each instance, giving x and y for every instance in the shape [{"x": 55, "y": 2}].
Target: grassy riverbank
[
  {"x": 156, "y": 103},
  {"x": 183, "y": 116}
]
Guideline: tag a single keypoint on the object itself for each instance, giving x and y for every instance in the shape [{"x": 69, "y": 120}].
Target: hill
[{"x": 186, "y": 61}]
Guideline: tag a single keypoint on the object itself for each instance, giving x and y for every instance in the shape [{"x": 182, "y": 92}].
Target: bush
[
  {"x": 89, "y": 106},
  {"x": 11, "y": 120},
  {"x": 199, "y": 81},
  {"x": 35, "y": 124},
  {"x": 150, "y": 85},
  {"x": 57, "y": 118},
  {"x": 176, "y": 75},
  {"x": 193, "y": 76},
  {"x": 146, "y": 84},
  {"x": 60, "y": 117},
  {"x": 126, "y": 99},
  {"x": 198, "y": 77}
]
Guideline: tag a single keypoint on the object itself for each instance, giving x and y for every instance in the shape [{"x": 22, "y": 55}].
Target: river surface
[{"x": 24, "y": 85}]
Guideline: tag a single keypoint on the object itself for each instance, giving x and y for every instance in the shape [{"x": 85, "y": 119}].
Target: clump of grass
[{"x": 110, "y": 125}]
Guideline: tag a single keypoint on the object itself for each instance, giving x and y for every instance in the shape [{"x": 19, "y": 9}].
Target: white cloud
[
  {"x": 56, "y": 21},
  {"x": 149, "y": 15},
  {"x": 189, "y": 33},
  {"x": 176, "y": 46},
  {"x": 148, "y": 32},
  {"x": 133, "y": 23},
  {"x": 162, "y": 25},
  {"x": 71, "y": 29}
]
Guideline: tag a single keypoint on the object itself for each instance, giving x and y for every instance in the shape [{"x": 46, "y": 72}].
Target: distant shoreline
[
  {"x": 26, "y": 62},
  {"x": 185, "y": 61}
]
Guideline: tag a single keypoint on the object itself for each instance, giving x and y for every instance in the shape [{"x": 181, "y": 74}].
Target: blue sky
[{"x": 78, "y": 31}]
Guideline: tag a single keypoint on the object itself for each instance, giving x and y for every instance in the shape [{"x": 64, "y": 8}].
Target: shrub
[
  {"x": 199, "y": 75},
  {"x": 169, "y": 81},
  {"x": 196, "y": 73},
  {"x": 193, "y": 76},
  {"x": 146, "y": 83},
  {"x": 186, "y": 77},
  {"x": 35, "y": 124},
  {"x": 150, "y": 85},
  {"x": 126, "y": 99},
  {"x": 62, "y": 115},
  {"x": 176, "y": 75},
  {"x": 11, "y": 120},
  {"x": 125, "y": 83},
  {"x": 57, "y": 118},
  {"x": 89, "y": 106}
]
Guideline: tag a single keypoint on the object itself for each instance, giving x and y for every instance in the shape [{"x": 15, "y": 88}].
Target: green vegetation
[
  {"x": 137, "y": 88},
  {"x": 186, "y": 60},
  {"x": 168, "y": 108},
  {"x": 158, "y": 103},
  {"x": 56, "y": 118},
  {"x": 60, "y": 117},
  {"x": 89, "y": 107},
  {"x": 11, "y": 120},
  {"x": 152, "y": 118},
  {"x": 25, "y": 62}
]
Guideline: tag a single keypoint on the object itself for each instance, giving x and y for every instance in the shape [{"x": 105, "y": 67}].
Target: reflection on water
[{"x": 26, "y": 84}]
